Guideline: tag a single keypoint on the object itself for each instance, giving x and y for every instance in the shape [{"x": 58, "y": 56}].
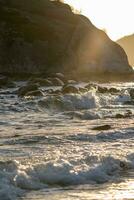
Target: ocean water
[{"x": 50, "y": 148}]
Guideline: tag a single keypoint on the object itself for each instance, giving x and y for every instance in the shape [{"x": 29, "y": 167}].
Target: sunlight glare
[{"x": 116, "y": 17}]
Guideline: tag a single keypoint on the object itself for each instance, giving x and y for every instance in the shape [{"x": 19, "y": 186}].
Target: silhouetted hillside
[
  {"x": 46, "y": 36},
  {"x": 128, "y": 44}
]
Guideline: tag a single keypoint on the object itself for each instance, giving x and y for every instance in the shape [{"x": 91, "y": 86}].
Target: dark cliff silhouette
[
  {"x": 42, "y": 36},
  {"x": 128, "y": 44}
]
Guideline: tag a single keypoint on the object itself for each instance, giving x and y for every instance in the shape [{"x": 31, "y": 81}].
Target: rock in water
[
  {"x": 28, "y": 88},
  {"x": 107, "y": 90},
  {"x": 70, "y": 89},
  {"x": 71, "y": 82},
  {"x": 42, "y": 82},
  {"x": 5, "y": 82},
  {"x": 118, "y": 115},
  {"x": 34, "y": 93},
  {"x": 60, "y": 76},
  {"x": 83, "y": 90},
  {"x": 101, "y": 128},
  {"x": 113, "y": 90},
  {"x": 131, "y": 92},
  {"x": 91, "y": 86},
  {"x": 57, "y": 82},
  {"x": 102, "y": 89}
]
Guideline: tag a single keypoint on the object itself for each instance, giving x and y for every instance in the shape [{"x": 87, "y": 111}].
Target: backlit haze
[{"x": 114, "y": 16}]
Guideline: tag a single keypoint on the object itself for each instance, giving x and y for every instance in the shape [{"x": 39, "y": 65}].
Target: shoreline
[{"x": 100, "y": 77}]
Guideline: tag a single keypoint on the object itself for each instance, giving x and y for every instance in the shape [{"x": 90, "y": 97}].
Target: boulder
[
  {"x": 83, "y": 90},
  {"x": 42, "y": 82},
  {"x": 113, "y": 90},
  {"x": 71, "y": 82},
  {"x": 119, "y": 116},
  {"x": 70, "y": 89},
  {"x": 125, "y": 115},
  {"x": 90, "y": 86},
  {"x": 129, "y": 102},
  {"x": 102, "y": 89},
  {"x": 55, "y": 92},
  {"x": 22, "y": 91},
  {"x": 34, "y": 93},
  {"x": 57, "y": 82},
  {"x": 102, "y": 127},
  {"x": 60, "y": 76},
  {"x": 6, "y": 82},
  {"x": 3, "y": 80},
  {"x": 131, "y": 92}
]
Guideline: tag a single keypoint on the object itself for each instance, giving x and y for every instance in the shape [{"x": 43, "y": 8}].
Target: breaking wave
[
  {"x": 16, "y": 178},
  {"x": 70, "y": 102}
]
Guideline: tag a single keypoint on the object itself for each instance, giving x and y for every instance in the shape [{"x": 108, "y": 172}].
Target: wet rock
[
  {"x": 70, "y": 89},
  {"x": 113, "y": 90},
  {"x": 90, "y": 86},
  {"x": 129, "y": 112},
  {"x": 83, "y": 90},
  {"x": 60, "y": 76},
  {"x": 101, "y": 128},
  {"x": 129, "y": 102},
  {"x": 131, "y": 92},
  {"x": 107, "y": 90},
  {"x": 49, "y": 91},
  {"x": 3, "y": 80},
  {"x": 34, "y": 93},
  {"x": 55, "y": 92},
  {"x": 102, "y": 89},
  {"x": 119, "y": 116},
  {"x": 42, "y": 82},
  {"x": 11, "y": 84},
  {"x": 6, "y": 82},
  {"x": 56, "y": 82},
  {"x": 22, "y": 91},
  {"x": 53, "y": 102},
  {"x": 71, "y": 82},
  {"x": 123, "y": 165},
  {"x": 125, "y": 115}
]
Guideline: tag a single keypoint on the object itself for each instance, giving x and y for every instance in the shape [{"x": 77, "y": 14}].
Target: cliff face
[
  {"x": 46, "y": 36},
  {"x": 128, "y": 44}
]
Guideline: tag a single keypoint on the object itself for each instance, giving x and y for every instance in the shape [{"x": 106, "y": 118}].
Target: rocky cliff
[
  {"x": 42, "y": 36},
  {"x": 128, "y": 44}
]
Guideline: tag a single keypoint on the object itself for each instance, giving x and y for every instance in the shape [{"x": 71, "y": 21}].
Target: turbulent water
[{"x": 50, "y": 148}]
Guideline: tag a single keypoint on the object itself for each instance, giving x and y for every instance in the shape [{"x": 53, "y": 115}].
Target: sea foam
[
  {"x": 16, "y": 178},
  {"x": 70, "y": 102}
]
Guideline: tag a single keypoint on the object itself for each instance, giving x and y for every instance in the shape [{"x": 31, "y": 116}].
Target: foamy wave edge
[{"x": 16, "y": 178}]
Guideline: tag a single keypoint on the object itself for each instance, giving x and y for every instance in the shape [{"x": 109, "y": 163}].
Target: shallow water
[{"x": 49, "y": 150}]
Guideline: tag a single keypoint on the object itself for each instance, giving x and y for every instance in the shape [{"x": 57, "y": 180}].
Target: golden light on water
[
  {"x": 125, "y": 191},
  {"x": 115, "y": 16}
]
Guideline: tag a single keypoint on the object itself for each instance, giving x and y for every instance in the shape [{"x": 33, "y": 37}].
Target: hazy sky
[{"x": 115, "y": 16}]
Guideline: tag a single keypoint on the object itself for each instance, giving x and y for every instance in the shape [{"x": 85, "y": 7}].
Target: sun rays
[{"x": 116, "y": 17}]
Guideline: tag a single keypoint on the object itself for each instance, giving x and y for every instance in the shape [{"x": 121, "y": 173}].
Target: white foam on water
[
  {"x": 84, "y": 115},
  {"x": 15, "y": 178},
  {"x": 123, "y": 97},
  {"x": 70, "y": 102}
]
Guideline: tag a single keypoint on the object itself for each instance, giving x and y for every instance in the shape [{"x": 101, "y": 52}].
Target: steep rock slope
[{"x": 46, "y": 36}]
